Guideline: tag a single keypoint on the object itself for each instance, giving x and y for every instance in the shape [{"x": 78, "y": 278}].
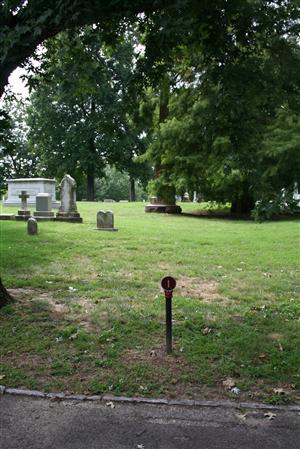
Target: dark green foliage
[
  {"x": 16, "y": 160},
  {"x": 219, "y": 134},
  {"x": 80, "y": 115},
  {"x": 116, "y": 185},
  {"x": 24, "y": 25}
]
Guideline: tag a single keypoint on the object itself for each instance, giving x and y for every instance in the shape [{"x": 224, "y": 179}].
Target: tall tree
[
  {"x": 220, "y": 109},
  {"x": 16, "y": 160},
  {"x": 79, "y": 111}
]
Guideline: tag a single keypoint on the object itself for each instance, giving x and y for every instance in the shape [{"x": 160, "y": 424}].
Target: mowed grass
[{"x": 89, "y": 316}]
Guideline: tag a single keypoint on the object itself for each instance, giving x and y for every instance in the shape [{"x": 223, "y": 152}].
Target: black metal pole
[{"x": 169, "y": 323}]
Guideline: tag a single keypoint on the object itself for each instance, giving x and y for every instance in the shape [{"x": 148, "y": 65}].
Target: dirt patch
[
  {"x": 164, "y": 266},
  {"x": 26, "y": 359},
  {"x": 276, "y": 336},
  {"x": 155, "y": 356},
  {"x": 196, "y": 288},
  {"x": 38, "y": 295},
  {"x": 23, "y": 293},
  {"x": 167, "y": 370}
]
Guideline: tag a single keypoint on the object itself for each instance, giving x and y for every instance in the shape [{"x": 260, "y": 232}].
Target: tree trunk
[
  {"x": 5, "y": 297},
  {"x": 243, "y": 204},
  {"x": 90, "y": 191},
  {"x": 132, "y": 189}
]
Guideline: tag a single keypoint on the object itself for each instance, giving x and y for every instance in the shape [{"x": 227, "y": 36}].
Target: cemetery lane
[{"x": 32, "y": 423}]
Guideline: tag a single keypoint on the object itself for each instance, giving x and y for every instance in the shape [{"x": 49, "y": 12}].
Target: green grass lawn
[{"x": 89, "y": 316}]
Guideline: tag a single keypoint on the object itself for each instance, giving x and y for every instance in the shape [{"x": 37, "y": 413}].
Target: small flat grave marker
[{"x": 32, "y": 226}]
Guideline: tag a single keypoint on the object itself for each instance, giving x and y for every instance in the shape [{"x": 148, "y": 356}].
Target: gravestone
[
  {"x": 43, "y": 206},
  {"x": 24, "y": 196},
  {"x": 32, "y": 226},
  {"x": 153, "y": 200},
  {"x": 23, "y": 213},
  {"x": 186, "y": 198},
  {"x": 68, "y": 208},
  {"x": 7, "y": 216},
  {"x": 105, "y": 221}
]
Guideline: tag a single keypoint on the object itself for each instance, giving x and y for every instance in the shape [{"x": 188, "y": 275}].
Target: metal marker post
[
  {"x": 168, "y": 296},
  {"x": 168, "y": 284}
]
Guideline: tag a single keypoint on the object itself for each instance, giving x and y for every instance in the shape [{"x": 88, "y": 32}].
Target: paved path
[{"x": 30, "y": 423}]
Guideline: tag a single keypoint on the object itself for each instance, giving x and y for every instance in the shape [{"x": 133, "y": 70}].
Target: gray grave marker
[
  {"x": 105, "y": 221},
  {"x": 32, "y": 226},
  {"x": 43, "y": 206}
]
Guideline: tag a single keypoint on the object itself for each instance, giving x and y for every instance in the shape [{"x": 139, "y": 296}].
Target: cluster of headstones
[
  {"x": 67, "y": 211},
  {"x": 43, "y": 206},
  {"x": 105, "y": 222}
]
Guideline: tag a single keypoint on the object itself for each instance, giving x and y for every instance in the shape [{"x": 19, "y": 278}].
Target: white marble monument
[{"x": 33, "y": 186}]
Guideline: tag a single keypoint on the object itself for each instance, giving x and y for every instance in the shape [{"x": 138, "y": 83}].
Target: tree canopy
[
  {"x": 84, "y": 113},
  {"x": 26, "y": 24},
  {"x": 214, "y": 26}
]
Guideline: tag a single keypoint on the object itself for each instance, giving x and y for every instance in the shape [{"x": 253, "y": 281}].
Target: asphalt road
[{"x": 30, "y": 423}]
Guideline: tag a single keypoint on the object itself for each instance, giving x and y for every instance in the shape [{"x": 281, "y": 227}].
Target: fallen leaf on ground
[
  {"x": 110, "y": 404},
  {"x": 241, "y": 416},
  {"x": 279, "y": 391},
  {"x": 235, "y": 390},
  {"x": 228, "y": 383},
  {"x": 270, "y": 415}
]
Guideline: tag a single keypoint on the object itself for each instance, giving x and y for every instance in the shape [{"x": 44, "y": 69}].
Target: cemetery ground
[{"x": 89, "y": 313}]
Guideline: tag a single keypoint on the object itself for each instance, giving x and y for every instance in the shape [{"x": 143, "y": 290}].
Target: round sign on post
[{"x": 168, "y": 284}]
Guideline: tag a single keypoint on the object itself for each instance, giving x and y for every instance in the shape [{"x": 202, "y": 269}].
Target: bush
[{"x": 282, "y": 203}]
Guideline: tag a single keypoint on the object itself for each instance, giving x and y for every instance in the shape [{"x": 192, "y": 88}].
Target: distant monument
[
  {"x": 68, "y": 208},
  {"x": 158, "y": 206},
  {"x": 33, "y": 186}
]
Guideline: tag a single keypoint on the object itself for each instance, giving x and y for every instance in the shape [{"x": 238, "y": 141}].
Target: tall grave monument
[{"x": 68, "y": 208}]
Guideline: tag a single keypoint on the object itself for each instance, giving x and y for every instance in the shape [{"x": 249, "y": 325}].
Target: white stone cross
[{"x": 24, "y": 195}]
